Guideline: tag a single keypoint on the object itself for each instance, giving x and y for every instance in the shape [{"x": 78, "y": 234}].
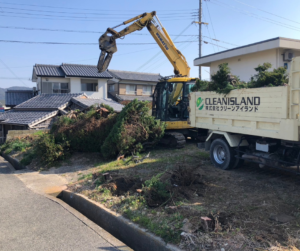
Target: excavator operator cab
[{"x": 170, "y": 101}]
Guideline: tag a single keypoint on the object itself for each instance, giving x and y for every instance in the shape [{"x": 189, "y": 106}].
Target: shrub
[
  {"x": 48, "y": 150},
  {"x": 17, "y": 145},
  {"x": 133, "y": 127},
  {"x": 28, "y": 157},
  {"x": 223, "y": 82},
  {"x": 86, "y": 133},
  {"x": 156, "y": 191},
  {"x": 263, "y": 77}
]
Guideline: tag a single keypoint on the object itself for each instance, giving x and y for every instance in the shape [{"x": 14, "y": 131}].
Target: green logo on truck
[{"x": 200, "y": 104}]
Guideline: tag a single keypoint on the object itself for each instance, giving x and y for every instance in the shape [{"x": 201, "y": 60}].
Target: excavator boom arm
[{"x": 108, "y": 45}]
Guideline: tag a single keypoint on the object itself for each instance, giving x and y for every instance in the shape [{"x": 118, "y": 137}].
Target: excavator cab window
[
  {"x": 170, "y": 101},
  {"x": 175, "y": 92}
]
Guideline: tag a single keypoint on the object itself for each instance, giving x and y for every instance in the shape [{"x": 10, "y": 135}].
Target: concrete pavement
[{"x": 32, "y": 221}]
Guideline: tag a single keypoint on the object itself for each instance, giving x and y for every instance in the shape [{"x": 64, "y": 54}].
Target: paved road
[{"x": 30, "y": 221}]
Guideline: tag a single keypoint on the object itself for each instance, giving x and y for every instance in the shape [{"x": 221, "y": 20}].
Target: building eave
[{"x": 274, "y": 43}]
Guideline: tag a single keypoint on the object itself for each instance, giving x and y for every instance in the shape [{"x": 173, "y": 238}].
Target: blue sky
[{"x": 233, "y": 22}]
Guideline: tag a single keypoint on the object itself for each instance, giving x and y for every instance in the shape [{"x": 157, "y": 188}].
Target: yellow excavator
[{"x": 170, "y": 98}]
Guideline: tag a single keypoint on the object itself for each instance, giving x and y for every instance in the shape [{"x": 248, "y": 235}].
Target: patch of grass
[
  {"x": 27, "y": 159},
  {"x": 204, "y": 155},
  {"x": 105, "y": 192},
  {"x": 85, "y": 176},
  {"x": 161, "y": 227},
  {"x": 17, "y": 145}
]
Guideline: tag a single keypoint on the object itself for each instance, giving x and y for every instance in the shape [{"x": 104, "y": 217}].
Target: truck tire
[{"x": 221, "y": 155}]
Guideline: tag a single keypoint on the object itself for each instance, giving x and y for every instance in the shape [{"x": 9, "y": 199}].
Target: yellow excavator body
[{"x": 170, "y": 98}]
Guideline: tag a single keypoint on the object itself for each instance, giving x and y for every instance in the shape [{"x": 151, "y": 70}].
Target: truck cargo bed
[{"x": 266, "y": 112}]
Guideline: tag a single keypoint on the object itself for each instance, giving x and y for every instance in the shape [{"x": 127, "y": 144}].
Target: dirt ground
[{"x": 193, "y": 204}]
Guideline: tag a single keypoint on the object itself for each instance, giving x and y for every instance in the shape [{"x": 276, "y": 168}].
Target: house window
[
  {"x": 89, "y": 87},
  {"x": 131, "y": 89},
  {"x": 147, "y": 90},
  {"x": 50, "y": 87},
  {"x": 60, "y": 88},
  {"x": 111, "y": 88}
]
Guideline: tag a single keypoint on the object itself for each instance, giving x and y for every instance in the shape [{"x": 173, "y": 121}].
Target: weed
[
  {"x": 86, "y": 176},
  {"x": 204, "y": 155},
  {"x": 105, "y": 192},
  {"x": 28, "y": 157},
  {"x": 156, "y": 191}
]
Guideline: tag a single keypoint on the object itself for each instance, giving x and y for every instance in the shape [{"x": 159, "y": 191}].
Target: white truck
[{"x": 260, "y": 124}]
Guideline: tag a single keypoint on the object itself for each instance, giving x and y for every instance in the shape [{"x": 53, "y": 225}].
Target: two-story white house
[{"x": 71, "y": 78}]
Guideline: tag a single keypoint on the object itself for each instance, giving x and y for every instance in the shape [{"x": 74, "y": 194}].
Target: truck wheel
[{"x": 221, "y": 155}]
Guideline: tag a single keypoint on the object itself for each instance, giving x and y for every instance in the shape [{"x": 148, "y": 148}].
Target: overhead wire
[
  {"x": 267, "y": 12},
  {"x": 76, "y": 31},
  {"x": 162, "y": 57},
  {"x": 80, "y": 60},
  {"x": 83, "y": 20},
  {"x": 97, "y": 13},
  {"x": 12, "y": 72},
  {"x": 59, "y": 7},
  {"x": 100, "y": 32},
  {"x": 211, "y": 22},
  {"x": 161, "y": 51},
  {"x": 247, "y": 13},
  {"x": 65, "y": 43},
  {"x": 165, "y": 59},
  {"x": 209, "y": 35}
]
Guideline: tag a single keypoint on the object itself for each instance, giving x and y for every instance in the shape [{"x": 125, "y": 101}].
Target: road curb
[
  {"x": 14, "y": 162},
  {"x": 132, "y": 235}
]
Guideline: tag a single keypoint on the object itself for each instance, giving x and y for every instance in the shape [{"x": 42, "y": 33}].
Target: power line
[
  {"x": 55, "y": 7},
  {"x": 268, "y": 12},
  {"x": 12, "y": 72},
  {"x": 101, "y": 32},
  {"x": 220, "y": 41},
  {"x": 73, "y": 61},
  {"x": 63, "y": 43},
  {"x": 161, "y": 51},
  {"x": 76, "y": 31},
  {"x": 84, "y": 20},
  {"x": 210, "y": 19},
  {"x": 247, "y": 13},
  {"x": 209, "y": 35},
  {"x": 23, "y": 78},
  {"x": 97, "y": 13},
  {"x": 76, "y": 17}
]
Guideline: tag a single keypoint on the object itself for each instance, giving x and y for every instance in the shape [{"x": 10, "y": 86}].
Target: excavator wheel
[{"x": 174, "y": 140}]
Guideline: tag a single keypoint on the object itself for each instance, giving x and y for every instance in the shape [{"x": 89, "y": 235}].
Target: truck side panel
[{"x": 260, "y": 111}]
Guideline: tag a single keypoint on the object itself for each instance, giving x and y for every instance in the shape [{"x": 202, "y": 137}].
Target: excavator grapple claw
[{"x": 108, "y": 47}]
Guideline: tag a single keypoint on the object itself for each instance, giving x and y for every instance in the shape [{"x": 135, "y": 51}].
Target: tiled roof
[
  {"x": 16, "y": 97},
  {"x": 133, "y": 97},
  {"x": 47, "y": 101},
  {"x": 25, "y": 117},
  {"x": 19, "y": 88},
  {"x": 90, "y": 71},
  {"x": 86, "y": 102},
  {"x": 44, "y": 70},
  {"x": 77, "y": 70},
  {"x": 140, "y": 76}
]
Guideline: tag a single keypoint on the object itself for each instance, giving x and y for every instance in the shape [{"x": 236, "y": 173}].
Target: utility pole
[{"x": 200, "y": 33}]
